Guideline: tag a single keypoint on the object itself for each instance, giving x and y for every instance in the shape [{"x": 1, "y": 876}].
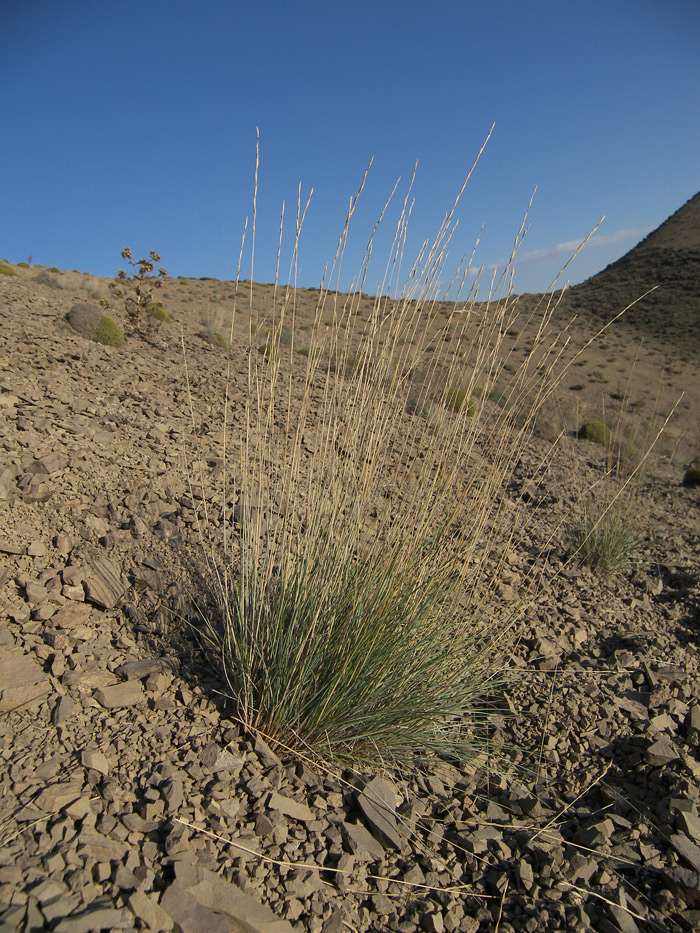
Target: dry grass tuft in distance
[{"x": 355, "y": 608}]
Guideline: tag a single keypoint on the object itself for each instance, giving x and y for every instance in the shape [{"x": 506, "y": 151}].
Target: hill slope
[{"x": 668, "y": 260}]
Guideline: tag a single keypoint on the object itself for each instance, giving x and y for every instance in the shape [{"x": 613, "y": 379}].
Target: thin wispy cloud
[{"x": 567, "y": 249}]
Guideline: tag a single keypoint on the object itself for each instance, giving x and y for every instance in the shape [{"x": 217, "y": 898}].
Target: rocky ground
[{"x": 131, "y": 801}]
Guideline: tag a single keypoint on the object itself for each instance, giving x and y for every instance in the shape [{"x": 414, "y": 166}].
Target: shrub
[
  {"x": 692, "y": 476},
  {"x": 136, "y": 290},
  {"x": 595, "y": 431},
  {"x": 220, "y": 341},
  {"x": 109, "y": 333},
  {"x": 455, "y": 398},
  {"x": 6, "y": 268},
  {"x": 158, "y": 312},
  {"x": 43, "y": 278},
  {"x": 53, "y": 269},
  {"x": 23, "y": 265},
  {"x": 605, "y": 539}
]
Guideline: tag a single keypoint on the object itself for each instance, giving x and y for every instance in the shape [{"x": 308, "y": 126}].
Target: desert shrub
[
  {"x": 109, "y": 333},
  {"x": 692, "y": 476},
  {"x": 156, "y": 310},
  {"x": 605, "y": 539},
  {"x": 220, "y": 340},
  {"x": 43, "y": 278},
  {"x": 6, "y": 268},
  {"x": 23, "y": 265},
  {"x": 499, "y": 398},
  {"x": 455, "y": 399},
  {"x": 595, "y": 431},
  {"x": 352, "y": 607},
  {"x": 54, "y": 269},
  {"x": 136, "y": 290}
]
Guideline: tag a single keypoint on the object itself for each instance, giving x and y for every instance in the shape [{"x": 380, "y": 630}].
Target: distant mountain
[{"x": 668, "y": 258}]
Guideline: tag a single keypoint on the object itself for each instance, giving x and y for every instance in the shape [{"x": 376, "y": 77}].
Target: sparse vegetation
[
  {"x": 606, "y": 538},
  {"x": 349, "y": 610},
  {"x": 109, "y": 333},
  {"x": 157, "y": 311},
  {"x": 595, "y": 431},
  {"x": 136, "y": 290},
  {"x": 6, "y": 268}
]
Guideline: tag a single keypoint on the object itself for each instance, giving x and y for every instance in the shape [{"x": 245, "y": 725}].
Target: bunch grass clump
[
  {"x": 352, "y": 607},
  {"x": 605, "y": 539},
  {"x": 6, "y": 268}
]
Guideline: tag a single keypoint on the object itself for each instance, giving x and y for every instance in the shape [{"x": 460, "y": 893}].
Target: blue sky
[{"x": 134, "y": 123}]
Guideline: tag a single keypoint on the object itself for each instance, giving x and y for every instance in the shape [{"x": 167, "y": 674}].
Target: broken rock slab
[
  {"x": 211, "y": 893},
  {"x": 22, "y": 680},
  {"x": 120, "y": 696},
  {"x": 104, "y": 584},
  {"x": 377, "y": 802}
]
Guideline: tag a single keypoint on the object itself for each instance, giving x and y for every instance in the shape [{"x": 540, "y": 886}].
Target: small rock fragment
[{"x": 120, "y": 696}]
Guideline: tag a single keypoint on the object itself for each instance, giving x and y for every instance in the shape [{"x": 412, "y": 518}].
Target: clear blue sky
[{"x": 133, "y": 123}]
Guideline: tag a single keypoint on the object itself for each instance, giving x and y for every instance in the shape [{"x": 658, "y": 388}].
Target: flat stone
[
  {"x": 48, "y": 464},
  {"x": 62, "y": 711},
  {"x": 288, "y": 806},
  {"x": 360, "y": 842},
  {"x": 137, "y": 670},
  {"x": 22, "y": 680},
  {"x": 690, "y": 824},
  {"x": 95, "y": 918},
  {"x": 220, "y": 759},
  {"x": 69, "y": 617},
  {"x": 662, "y": 752},
  {"x": 686, "y": 848},
  {"x": 377, "y": 802},
  {"x": 95, "y": 760},
  {"x": 104, "y": 585},
  {"x": 149, "y": 911},
  {"x": 120, "y": 696},
  {"x": 57, "y": 796},
  {"x": 188, "y": 915},
  {"x": 214, "y": 893},
  {"x": 684, "y": 883}
]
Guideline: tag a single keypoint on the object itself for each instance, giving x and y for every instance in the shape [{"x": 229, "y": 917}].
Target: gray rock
[
  {"x": 377, "y": 802},
  {"x": 95, "y": 918},
  {"x": 149, "y": 912},
  {"x": 104, "y": 585},
  {"x": 288, "y": 806},
  {"x": 173, "y": 794},
  {"x": 691, "y": 725},
  {"x": 684, "y": 883},
  {"x": 360, "y": 842},
  {"x": 214, "y": 893},
  {"x": 137, "y": 670},
  {"x": 662, "y": 752},
  {"x": 686, "y": 848},
  {"x": 120, "y": 696},
  {"x": 22, "y": 681},
  {"x": 62, "y": 711},
  {"x": 95, "y": 760},
  {"x": 188, "y": 915},
  {"x": 220, "y": 759}
]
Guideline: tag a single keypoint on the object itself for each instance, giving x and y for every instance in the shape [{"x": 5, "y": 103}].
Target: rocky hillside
[
  {"x": 668, "y": 260},
  {"x": 131, "y": 800}
]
